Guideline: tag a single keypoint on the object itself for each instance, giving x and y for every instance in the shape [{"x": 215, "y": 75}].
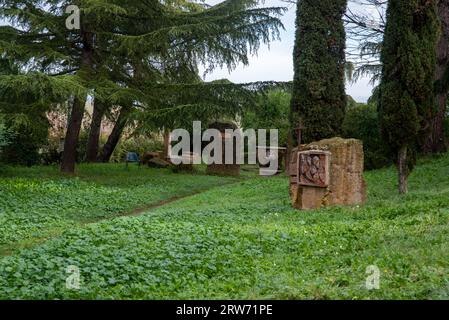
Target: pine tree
[
  {"x": 100, "y": 58},
  {"x": 319, "y": 98},
  {"x": 407, "y": 88}
]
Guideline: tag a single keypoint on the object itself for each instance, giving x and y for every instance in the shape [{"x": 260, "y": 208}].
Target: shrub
[
  {"x": 81, "y": 148},
  {"x": 3, "y": 136},
  {"x": 52, "y": 151},
  {"x": 139, "y": 144},
  {"x": 361, "y": 122},
  {"x": 26, "y": 138},
  {"x": 271, "y": 112}
]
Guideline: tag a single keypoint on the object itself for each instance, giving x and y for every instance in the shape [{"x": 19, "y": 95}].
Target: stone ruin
[
  {"x": 224, "y": 169},
  {"x": 155, "y": 160},
  {"x": 327, "y": 173}
]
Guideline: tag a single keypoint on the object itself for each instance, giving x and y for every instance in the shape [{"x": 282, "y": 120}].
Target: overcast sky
[{"x": 276, "y": 63}]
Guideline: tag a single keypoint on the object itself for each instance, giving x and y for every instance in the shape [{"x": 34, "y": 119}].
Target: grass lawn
[{"x": 236, "y": 241}]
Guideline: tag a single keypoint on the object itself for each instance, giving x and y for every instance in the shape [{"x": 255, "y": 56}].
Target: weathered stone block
[
  {"x": 224, "y": 169},
  {"x": 327, "y": 173}
]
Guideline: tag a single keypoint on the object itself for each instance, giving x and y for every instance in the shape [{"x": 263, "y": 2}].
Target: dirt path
[{"x": 147, "y": 208}]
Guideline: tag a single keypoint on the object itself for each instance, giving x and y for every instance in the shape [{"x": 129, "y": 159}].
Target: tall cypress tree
[
  {"x": 435, "y": 141},
  {"x": 319, "y": 98},
  {"x": 407, "y": 97}
]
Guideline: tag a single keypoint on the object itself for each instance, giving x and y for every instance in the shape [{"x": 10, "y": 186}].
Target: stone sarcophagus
[{"x": 327, "y": 173}]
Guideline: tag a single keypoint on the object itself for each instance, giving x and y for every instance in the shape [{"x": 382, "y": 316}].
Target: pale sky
[{"x": 276, "y": 63}]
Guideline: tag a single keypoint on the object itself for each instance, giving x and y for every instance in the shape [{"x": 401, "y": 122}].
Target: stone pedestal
[{"x": 327, "y": 173}]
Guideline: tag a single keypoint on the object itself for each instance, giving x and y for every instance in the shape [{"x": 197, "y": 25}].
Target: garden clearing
[{"x": 236, "y": 241}]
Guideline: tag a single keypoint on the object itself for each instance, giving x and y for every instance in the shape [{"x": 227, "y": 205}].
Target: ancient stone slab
[
  {"x": 327, "y": 173},
  {"x": 148, "y": 156}
]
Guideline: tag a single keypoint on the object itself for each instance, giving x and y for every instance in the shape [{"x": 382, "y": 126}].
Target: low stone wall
[{"x": 327, "y": 173}]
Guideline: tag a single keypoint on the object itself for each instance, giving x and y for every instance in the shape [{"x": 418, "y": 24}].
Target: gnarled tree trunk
[
  {"x": 95, "y": 131},
  {"x": 115, "y": 135}
]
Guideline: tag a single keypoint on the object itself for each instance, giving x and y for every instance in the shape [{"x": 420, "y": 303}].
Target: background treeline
[{"x": 404, "y": 47}]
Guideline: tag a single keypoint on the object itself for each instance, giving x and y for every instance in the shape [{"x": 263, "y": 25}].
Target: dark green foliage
[
  {"x": 139, "y": 144},
  {"x": 361, "y": 122},
  {"x": 319, "y": 98},
  {"x": 271, "y": 112},
  {"x": 409, "y": 60},
  {"x": 26, "y": 140},
  {"x": 81, "y": 147},
  {"x": 4, "y": 135}
]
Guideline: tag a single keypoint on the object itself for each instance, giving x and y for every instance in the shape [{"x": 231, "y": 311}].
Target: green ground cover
[
  {"x": 37, "y": 203},
  {"x": 244, "y": 241}
]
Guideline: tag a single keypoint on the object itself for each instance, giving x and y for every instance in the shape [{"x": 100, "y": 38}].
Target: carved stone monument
[{"x": 327, "y": 173}]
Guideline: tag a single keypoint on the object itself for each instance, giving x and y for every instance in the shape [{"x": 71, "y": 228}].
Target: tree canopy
[{"x": 138, "y": 53}]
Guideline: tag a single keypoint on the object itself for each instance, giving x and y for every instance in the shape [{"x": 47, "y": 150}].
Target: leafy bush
[
  {"x": 28, "y": 136},
  {"x": 139, "y": 144},
  {"x": 272, "y": 112},
  {"x": 81, "y": 148},
  {"x": 51, "y": 152},
  {"x": 361, "y": 122},
  {"x": 4, "y": 137}
]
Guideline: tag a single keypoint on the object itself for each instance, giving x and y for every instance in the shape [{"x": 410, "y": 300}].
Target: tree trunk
[
  {"x": 434, "y": 143},
  {"x": 115, "y": 135},
  {"x": 76, "y": 117},
  {"x": 95, "y": 131},
  {"x": 166, "y": 143},
  {"x": 403, "y": 170},
  {"x": 72, "y": 135}
]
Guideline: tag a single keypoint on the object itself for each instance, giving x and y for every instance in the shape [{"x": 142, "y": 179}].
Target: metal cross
[{"x": 299, "y": 132}]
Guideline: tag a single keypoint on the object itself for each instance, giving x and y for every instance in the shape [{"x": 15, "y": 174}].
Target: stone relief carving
[{"x": 313, "y": 168}]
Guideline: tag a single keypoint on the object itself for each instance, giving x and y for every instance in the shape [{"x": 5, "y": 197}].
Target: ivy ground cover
[{"x": 243, "y": 241}]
